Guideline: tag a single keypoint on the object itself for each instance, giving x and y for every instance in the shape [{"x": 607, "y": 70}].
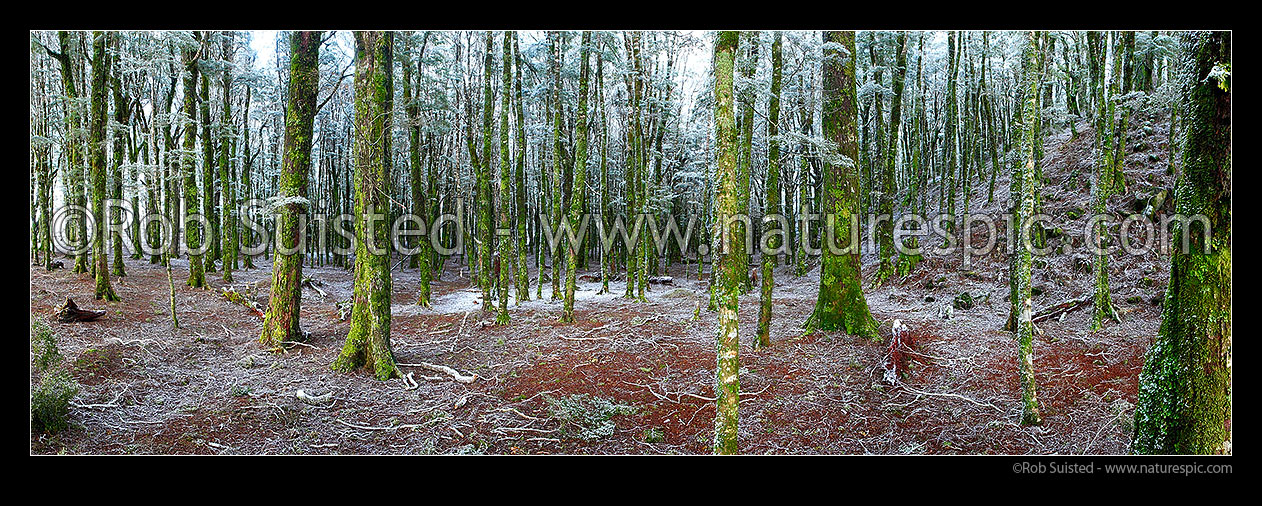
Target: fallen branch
[
  {"x": 586, "y": 338},
  {"x": 314, "y": 400},
  {"x": 1059, "y": 309},
  {"x": 460, "y": 378},
  {"x": 111, "y": 404},
  {"x": 232, "y": 295},
  {"x": 514, "y": 410},
  {"x": 954, "y": 396},
  {"x": 313, "y": 284},
  {"x": 365, "y": 427},
  {"x": 408, "y": 382}
]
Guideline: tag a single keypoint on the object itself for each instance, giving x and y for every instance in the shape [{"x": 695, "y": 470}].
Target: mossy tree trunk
[
  {"x": 519, "y": 189},
  {"x": 122, "y": 117},
  {"x": 228, "y": 224},
  {"x": 1101, "y": 177},
  {"x": 749, "y": 67},
  {"x": 420, "y": 261},
  {"x": 211, "y": 233},
  {"x": 772, "y": 206},
  {"x": 1022, "y": 197},
  {"x": 606, "y": 259},
  {"x": 281, "y": 322},
  {"x": 886, "y": 203},
  {"x": 43, "y": 152},
  {"x": 505, "y": 247},
  {"x": 1184, "y": 404},
  {"x": 727, "y": 292},
  {"x": 68, "y": 58},
  {"x": 187, "y": 166},
  {"x": 579, "y": 190},
  {"x": 952, "y": 123},
  {"x": 368, "y": 342},
  {"x": 485, "y": 201},
  {"x": 840, "y": 304},
  {"x": 909, "y": 257},
  {"x": 556, "y": 52},
  {"x": 96, "y": 147},
  {"x": 247, "y": 167}
]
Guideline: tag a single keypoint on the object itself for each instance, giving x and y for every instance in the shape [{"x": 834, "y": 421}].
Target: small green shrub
[
  {"x": 44, "y": 346},
  {"x": 586, "y": 417},
  {"x": 50, "y": 401}
]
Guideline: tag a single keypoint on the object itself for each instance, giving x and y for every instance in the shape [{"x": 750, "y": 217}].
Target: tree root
[{"x": 460, "y": 378}]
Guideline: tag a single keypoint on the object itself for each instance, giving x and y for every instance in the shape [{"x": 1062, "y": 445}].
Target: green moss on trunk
[
  {"x": 840, "y": 304},
  {"x": 727, "y": 290},
  {"x": 1184, "y": 402},
  {"x": 368, "y": 342},
  {"x": 281, "y": 323}
]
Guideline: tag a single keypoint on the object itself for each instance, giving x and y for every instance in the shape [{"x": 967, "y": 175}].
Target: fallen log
[
  {"x": 70, "y": 313},
  {"x": 232, "y": 295},
  {"x": 661, "y": 280},
  {"x": 1059, "y": 309}
]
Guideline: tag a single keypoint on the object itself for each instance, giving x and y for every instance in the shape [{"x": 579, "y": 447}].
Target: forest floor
[{"x": 626, "y": 377}]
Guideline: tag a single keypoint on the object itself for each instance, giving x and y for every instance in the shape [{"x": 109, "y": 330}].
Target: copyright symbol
[
  {"x": 1016, "y": 467},
  {"x": 61, "y": 224}
]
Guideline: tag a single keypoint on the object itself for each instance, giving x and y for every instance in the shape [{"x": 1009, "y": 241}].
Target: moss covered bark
[
  {"x": 729, "y": 269},
  {"x": 1184, "y": 403},
  {"x": 368, "y": 342},
  {"x": 556, "y": 52},
  {"x": 281, "y": 322},
  {"x": 96, "y": 154},
  {"x": 228, "y": 224},
  {"x": 1101, "y": 177},
  {"x": 748, "y": 68},
  {"x": 122, "y": 118},
  {"x": 505, "y": 247},
  {"x": 579, "y": 190},
  {"x": 840, "y": 304},
  {"x": 1023, "y": 203},
  {"x": 69, "y": 59},
  {"x": 211, "y": 233},
  {"x": 485, "y": 201},
  {"x": 186, "y": 165},
  {"x": 885, "y": 230},
  {"x": 774, "y": 242},
  {"x": 519, "y": 188}
]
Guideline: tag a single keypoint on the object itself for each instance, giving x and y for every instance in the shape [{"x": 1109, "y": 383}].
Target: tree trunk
[
  {"x": 1184, "y": 404},
  {"x": 96, "y": 145},
  {"x": 228, "y": 225},
  {"x": 579, "y": 188},
  {"x": 841, "y": 304},
  {"x": 1023, "y": 204},
  {"x": 368, "y": 343},
  {"x": 281, "y": 322},
  {"x": 772, "y": 207},
  {"x": 727, "y": 382},
  {"x": 886, "y": 203},
  {"x": 187, "y": 165},
  {"x": 505, "y": 246}
]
